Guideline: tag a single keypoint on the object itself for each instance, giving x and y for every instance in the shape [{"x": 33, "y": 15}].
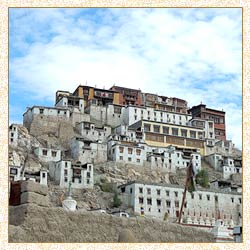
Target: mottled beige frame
[{"x": 5, "y": 4}]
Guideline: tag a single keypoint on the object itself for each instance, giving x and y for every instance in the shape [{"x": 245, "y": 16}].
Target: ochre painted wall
[
  {"x": 116, "y": 98},
  {"x": 91, "y": 93}
]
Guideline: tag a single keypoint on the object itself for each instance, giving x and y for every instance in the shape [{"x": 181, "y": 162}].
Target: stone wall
[{"x": 32, "y": 223}]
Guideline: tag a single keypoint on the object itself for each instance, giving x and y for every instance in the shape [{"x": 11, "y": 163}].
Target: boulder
[
  {"x": 38, "y": 199},
  {"x": 31, "y": 186},
  {"x": 126, "y": 236}
]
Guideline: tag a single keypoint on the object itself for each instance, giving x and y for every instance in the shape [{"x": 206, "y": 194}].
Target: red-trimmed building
[
  {"x": 201, "y": 111},
  {"x": 128, "y": 96}
]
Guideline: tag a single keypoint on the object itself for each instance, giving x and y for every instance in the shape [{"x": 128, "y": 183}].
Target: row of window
[
  {"x": 175, "y": 131},
  {"x": 45, "y": 153},
  {"x": 129, "y": 159},
  {"x": 167, "y": 192},
  {"x": 158, "y": 202},
  {"x": 41, "y": 111},
  {"x": 161, "y": 114},
  {"x": 73, "y": 180},
  {"x": 130, "y": 150}
]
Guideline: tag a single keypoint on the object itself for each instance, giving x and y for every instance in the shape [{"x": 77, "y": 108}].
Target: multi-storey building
[
  {"x": 163, "y": 135},
  {"x": 226, "y": 165},
  {"x": 85, "y": 150},
  {"x": 170, "y": 104},
  {"x": 65, "y": 171},
  {"x": 13, "y": 134},
  {"x": 201, "y": 111},
  {"x": 128, "y": 96},
  {"x": 157, "y": 200},
  {"x": 103, "y": 96},
  {"x": 129, "y": 152},
  {"x": 92, "y": 132},
  {"x": 132, "y": 114}
]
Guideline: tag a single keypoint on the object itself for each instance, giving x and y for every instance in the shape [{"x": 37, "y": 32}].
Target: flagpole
[{"x": 185, "y": 189}]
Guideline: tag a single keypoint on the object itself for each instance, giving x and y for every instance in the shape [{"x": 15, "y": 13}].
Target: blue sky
[{"x": 194, "y": 54}]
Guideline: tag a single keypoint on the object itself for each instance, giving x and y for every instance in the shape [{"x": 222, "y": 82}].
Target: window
[
  {"x": 131, "y": 190},
  {"x": 66, "y": 164},
  {"x": 41, "y": 111},
  {"x": 121, "y": 158},
  {"x": 168, "y": 203},
  {"x": 232, "y": 199},
  {"x": 183, "y": 132},
  {"x": 88, "y": 174},
  {"x": 149, "y": 201},
  {"x": 80, "y": 180},
  {"x": 192, "y": 134},
  {"x": 176, "y": 203},
  {"x": 200, "y": 196},
  {"x": 192, "y": 196},
  {"x": 216, "y": 198},
  {"x": 53, "y": 153},
  {"x": 159, "y": 210},
  {"x": 121, "y": 149},
  {"x": 210, "y": 124},
  {"x": 65, "y": 171},
  {"x": 176, "y": 194},
  {"x": 158, "y": 191},
  {"x": 165, "y": 130},
  {"x": 146, "y": 127},
  {"x": 88, "y": 181},
  {"x": 167, "y": 192},
  {"x": 208, "y": 197},
  {"x": 12, "y": 134},
  {"x": 138, "y": 160},
  {"x": 240, "y": 200},
  {"x": 156, "y": 128},
  {"x": 135, "y": 117},
  {"x": 130, "y": 150},
  {"x": 13, "y": 171},
  {"x": 158, "y": 202},
  {"x": 140, "y": 190},
  {"x": 65, "y": 179},
  {"x": 149, "y": 190},
  {"x": 129, "y": 159},
  {"x": 175, "y": 131},
  {"x": 138, "y": 151},
  {"x": 141, "y": 200},
  {"x": 45, "y": 152}
]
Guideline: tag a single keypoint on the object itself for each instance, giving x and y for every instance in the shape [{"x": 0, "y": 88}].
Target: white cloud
[{"x": 183, "y": 53}]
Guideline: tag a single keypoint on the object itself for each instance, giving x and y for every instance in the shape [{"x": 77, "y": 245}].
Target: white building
[
  {"x": 91, "y": 132},
  {"x": 71, "y": 102},
  {"x": 123, "y": 131},
  {"x": 109, "y": 114},
  {"x": 40, "y": 177},
  {"x": 172, "y": 158},
  {"x": 48, "y": 154},
  {"x": 15, "y": 173},
  {"x": 65, "y": 171},
  {"x": 132, "y": 114},
  {"x": 126, "y": 152},
  {"x": 223, "y": 164},
  {"x": 13, "y": 134},
  {"x": 86, "y": 151},
  {"x": 202, "y": 205}
]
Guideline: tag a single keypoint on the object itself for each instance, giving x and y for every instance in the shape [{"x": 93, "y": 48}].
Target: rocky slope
[{"x": 32, "y": 223}]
